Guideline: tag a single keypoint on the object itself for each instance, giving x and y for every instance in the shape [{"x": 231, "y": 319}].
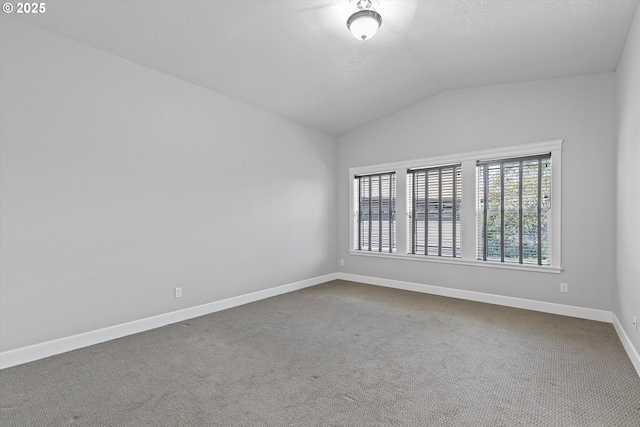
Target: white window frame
[{"x": 468, "y": 215}]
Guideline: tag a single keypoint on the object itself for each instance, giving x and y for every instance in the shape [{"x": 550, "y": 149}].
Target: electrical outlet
[
  {"x": 178, "y": 292},
  {"x": 341, "y": 262},
  {"x": 564, "y": 287}
]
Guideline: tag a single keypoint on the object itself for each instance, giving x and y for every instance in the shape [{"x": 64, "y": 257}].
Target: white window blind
[
  {"x": 375, "y": 224},
  {"x": 435, "y": 201},
  {"x": 514, "y": 210}
]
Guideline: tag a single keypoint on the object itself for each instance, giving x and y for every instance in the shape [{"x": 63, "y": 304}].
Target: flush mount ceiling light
[{"x": 365, "y": 21}]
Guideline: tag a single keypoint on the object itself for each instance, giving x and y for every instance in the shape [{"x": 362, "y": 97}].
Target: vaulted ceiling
[{"x": 297, "y": 59}]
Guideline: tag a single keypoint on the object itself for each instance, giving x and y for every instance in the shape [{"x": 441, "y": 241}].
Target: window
[
  {"x": 513, "y": 210},
  {"x": 376, "y": 221},
  {"x": 434, "y": 204},
  {"x": 492, "y": 208}
]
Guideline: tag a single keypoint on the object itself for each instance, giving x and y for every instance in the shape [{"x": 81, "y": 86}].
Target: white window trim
[{"x": 468, "y": 218}]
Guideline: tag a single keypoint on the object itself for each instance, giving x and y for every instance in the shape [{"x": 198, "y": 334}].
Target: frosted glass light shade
[{"x": 364, "y": 24}]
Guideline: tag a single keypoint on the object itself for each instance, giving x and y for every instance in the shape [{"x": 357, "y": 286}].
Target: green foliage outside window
[{"x": 517, "y": 229}]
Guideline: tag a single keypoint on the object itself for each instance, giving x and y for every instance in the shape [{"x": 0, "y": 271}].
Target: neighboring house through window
[
  {"x": 376, "y": 198},
  {"x": 435, "y": 201}
]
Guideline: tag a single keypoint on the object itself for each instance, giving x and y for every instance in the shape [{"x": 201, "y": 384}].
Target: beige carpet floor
[{"x": 339, "y": 354}]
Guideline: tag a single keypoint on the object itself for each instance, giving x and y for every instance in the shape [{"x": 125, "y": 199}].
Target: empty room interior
[{"x": 314, "y": 213}]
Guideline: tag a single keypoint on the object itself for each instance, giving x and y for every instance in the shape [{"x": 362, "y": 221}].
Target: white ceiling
[{"x": 297, "y": 59}]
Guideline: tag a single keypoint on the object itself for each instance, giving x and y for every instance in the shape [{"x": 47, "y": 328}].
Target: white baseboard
[
  {"x": 39, "y": 351},
  {"x": 632, "y": 352},
  {"x": 527, "y": 304}
]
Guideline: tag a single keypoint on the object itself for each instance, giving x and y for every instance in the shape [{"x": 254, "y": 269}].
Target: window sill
[{"x": 459, "y": 261}]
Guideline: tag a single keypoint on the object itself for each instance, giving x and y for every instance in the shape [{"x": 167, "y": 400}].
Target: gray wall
[
  {"x": 120, "y": 183},
  {"x": 580, "y": 110},
  {"x": 627, "y": 290}
]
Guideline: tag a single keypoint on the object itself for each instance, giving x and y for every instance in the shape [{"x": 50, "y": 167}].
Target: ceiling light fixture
[{"x": 365, "y": 21}]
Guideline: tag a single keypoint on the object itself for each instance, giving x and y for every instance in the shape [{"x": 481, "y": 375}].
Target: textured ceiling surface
[{"x": 297, "y": 59}]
